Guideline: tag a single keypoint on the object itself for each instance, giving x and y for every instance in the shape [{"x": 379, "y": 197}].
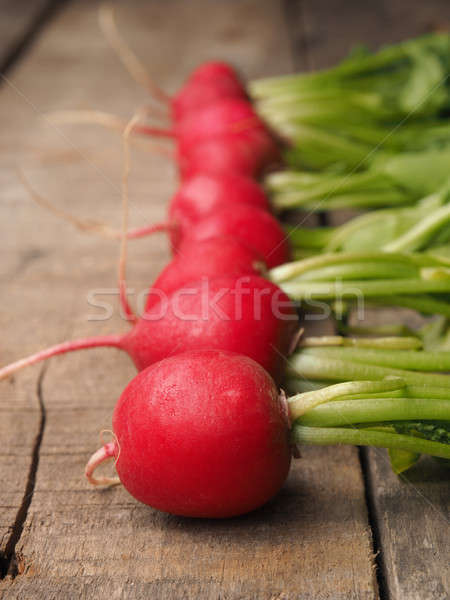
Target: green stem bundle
[
  {"x": 394, "y": 278},
  {"x": 411, "y": 229},
  {"x": 344, "y": 116},
  {"x": 360, "y": 413}
]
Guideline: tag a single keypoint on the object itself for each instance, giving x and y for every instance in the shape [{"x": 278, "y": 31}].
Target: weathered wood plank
[
  {"x": 409, "y": 514},
  {"x": 332, "y": 28},
  {"x": 19, "y": 20},
  {"x": 312, "y": 542}
]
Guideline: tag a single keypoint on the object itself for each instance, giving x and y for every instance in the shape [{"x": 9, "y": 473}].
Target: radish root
[
  {"x": 97, "y": 117},
  {"x": 131, "y": 62},
  {"x": 104, "y": 453},
  {"x": 131, "y": 316},
  {"x": 94, "y": 342},
  {"x": 113, "y": 122},
  {"x": 89, "y": 225}
]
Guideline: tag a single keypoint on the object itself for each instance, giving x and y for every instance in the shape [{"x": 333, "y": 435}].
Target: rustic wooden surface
[
  {"x": 58, "y": 537},
  {"x": 20, "y": 22}
]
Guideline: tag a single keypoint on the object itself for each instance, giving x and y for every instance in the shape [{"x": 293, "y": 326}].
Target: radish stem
[
  {"x": 301, "y": 403},
  {"x": 416, "y": 236},
  {"x": 349, "y": 290},
  {"x": 386, "y": 343},
  {"x": 399, "y": 359},
  {"x": 373, "y": 410},
  {"x": 335, "y": 369},
  {"x": 366, "y": 437},
  {"x": 421, "y": 302},
  {"x": 295, "y": 270}
]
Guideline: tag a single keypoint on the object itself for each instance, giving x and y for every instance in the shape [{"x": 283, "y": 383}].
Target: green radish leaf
[{"x": 401, "y": 460}]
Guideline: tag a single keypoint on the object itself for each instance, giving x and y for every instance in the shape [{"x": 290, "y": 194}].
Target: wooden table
[{"x": 344, "y": 527}]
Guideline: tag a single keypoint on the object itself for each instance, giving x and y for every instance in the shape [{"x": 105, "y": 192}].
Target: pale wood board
[{"x": 313, "y": 541}]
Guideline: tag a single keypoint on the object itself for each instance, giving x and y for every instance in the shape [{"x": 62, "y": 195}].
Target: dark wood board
[{"x": 20, "y": 22}]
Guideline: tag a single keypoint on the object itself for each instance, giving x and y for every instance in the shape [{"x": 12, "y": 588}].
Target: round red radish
[
  {"x": 209, "y": 83},
  {"x": 222, "y": 155},
  {"x": 247, "y": 314},
  {"x": 212, "y": 71},
  {"x": 252, "y": 226},
  {"x": 219, "y": 255},
  {"x": 230, "y": 116},
  {"x": 245, "y": 155},
  {"x": 202, "y": 434},
  {"x": 202, "y": 194}
]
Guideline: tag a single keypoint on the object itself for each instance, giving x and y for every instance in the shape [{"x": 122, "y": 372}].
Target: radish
[
  {"x": 200, "y": 434},
  {"x": 253, "y": 226},
  {"x": 227, "y": 116},
  {"x": 208, "y": 83},
  {"x": 232, "y": 120},
  {"x": 206, "y": 206},
  {"x": 248, "y": 314},
  {"x": 245, "y": 314},
  {"x": 223, "y": 154},
  {"x": 212, "y": 103},
  {"x": 207, "y": 433},
  {"x": 218, "y": 255},
  {"x": 197, "y": 197},
  {"x": 202, "y": 194}
]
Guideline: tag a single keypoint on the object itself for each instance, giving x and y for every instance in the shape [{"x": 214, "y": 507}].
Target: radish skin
[
  {"x": 201, "y": 434},
  {"x": 245, "y": 314}
]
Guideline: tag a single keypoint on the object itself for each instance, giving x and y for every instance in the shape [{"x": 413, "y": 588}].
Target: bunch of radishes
[{"x": 203, "y": 430}]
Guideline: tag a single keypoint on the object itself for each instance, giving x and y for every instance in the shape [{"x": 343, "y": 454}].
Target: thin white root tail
[
  {"x": 87, "y": 225},
  {"x": 104, "y": 453},
  {"x": 131, "y": 316},
  {"x": 131, "y": 62},
  {"x": 96, "y": 117},
  {"x": 114, "y": 123}
]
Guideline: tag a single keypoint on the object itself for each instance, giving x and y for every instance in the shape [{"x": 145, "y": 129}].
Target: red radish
[
  {"x": 213, "y": 70},
  {"x": 253, "y": 226},
  {"x": 200, "y": 434},
  {"x": 211, "y": 104},
  {"x": 224, "y": 154},
  {"x": 202, "y": 194},
  {"x": 219, "y": 255},
  {"x": 231, "y": 119},
  {"x": 198, "y": 196},
  {"x": 208, "y": 83},
  {"x": 228, "y": 116},
  {"x": 249, "y": 315}
]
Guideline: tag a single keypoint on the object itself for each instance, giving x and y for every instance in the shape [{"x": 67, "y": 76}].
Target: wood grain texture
[
  {"x": 412, "y": 517},
  {"x": 19, "y": 20},
  {"x": 333, "y": 27},
  {"x": 313, "y": 541}
]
